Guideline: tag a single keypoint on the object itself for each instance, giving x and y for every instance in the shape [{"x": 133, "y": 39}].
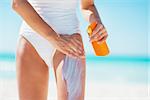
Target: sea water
[{"x": 106, "y": 78}]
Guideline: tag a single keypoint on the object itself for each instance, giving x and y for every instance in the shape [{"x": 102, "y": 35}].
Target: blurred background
[{"x": 122, "y": 75}]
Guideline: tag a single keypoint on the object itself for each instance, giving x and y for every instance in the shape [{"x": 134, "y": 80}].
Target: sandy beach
[
  {"x": 94, "y": 91},
  {"x": 99, "y": 84}
]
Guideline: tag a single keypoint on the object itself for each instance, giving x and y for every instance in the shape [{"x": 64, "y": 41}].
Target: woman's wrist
[
  {"x": 94, "y": 19},
  {"x": 53, "y": 36}
]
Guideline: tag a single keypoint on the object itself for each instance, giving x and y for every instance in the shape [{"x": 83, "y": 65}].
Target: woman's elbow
[{"x": 16, "y": 4}]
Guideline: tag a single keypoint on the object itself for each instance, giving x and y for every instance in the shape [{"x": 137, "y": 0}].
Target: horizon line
[{"x": 90, "y": 57}]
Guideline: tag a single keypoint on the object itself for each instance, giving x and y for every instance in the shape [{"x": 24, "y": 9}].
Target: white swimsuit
[{"x": 61, "y": 16}]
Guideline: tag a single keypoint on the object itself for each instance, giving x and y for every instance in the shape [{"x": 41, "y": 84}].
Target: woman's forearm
[
  {"x": 90, "y": 12},
  {"x": 27, "y": 12},
  {"x": 94, "y": 15}
]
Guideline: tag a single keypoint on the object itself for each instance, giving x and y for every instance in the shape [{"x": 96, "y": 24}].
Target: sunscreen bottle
[{"x": 100, "y": 49}]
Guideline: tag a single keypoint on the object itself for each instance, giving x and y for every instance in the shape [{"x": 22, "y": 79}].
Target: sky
[{"x": 126, "y": 22}]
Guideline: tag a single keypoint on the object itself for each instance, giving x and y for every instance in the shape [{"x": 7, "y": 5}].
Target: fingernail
[
  {"x": 99, "y": 42},
  {"x": 80, "y": 52}
]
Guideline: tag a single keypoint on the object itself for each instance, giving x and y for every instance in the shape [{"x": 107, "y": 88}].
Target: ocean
[{"x": 123, "y": 75}]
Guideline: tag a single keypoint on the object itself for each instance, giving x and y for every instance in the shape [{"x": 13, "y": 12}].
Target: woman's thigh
[
  {"x": 61, "y": 85},
  {"x": 58, "y": 61},
  {"x": 32, "y": 73}
]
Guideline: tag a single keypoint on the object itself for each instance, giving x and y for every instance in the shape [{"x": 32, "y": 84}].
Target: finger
[
  {"x": 103, "y": 35},
  {"x": 102, "y": 40},
  {"x": 65, "y": 51},
  {"x": 69, "y": 53},
  {"x": 95, "y": 37},
  {"x": 102, "y": 31},
  {"x": 79, "y": 44},
  {"x": 75, "y": 52},
  {"x": 74, "y": 49},
  {"x": 65, "y": 47},
  {"x": 97, "y": 29},
  {"x": 64, "y": 41},
  {"x": 71, "y": 47},
  {"x": 78, "y": 39},
  {"x": 76, "y": 45},
  {"x": 99, "y": 32},
  {"x": 99, "y": 37},
  {"x": 82, "y": 56}
]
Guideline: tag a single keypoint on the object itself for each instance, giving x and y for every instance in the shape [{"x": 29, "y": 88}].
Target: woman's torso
[{"x": 59, "y": 14}]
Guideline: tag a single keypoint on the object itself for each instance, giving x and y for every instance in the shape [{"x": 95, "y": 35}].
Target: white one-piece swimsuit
[{"x": 61, "y": 16}]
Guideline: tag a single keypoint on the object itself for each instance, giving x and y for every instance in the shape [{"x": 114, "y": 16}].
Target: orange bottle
[{"x": 100, "y": 49}]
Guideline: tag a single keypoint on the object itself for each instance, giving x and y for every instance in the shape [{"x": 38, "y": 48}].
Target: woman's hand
[
  {"x": 70, "y": 45},
  {"x": 99, "y": 34}
]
